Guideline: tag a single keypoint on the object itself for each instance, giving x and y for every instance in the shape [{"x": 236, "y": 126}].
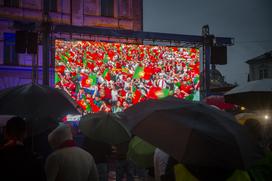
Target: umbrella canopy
[
  {"x": 36, "y": 101},
  {"x": 40, "y": 105},
  {"x": 141, "y": 152},
  {"x": 105, "y": 127},
  {"x": 255, "y": 94},
  {"x": 41, "y": 125},
  {"x": 192, "y": 132},
  {"x": 219, "y": 102},
  {"x": 4, "y": 119}
]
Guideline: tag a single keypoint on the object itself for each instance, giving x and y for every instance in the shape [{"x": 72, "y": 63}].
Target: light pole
[{"x": 207, "y": 43}]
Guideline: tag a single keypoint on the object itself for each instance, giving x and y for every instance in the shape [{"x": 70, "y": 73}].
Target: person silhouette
[
  {"x": 68, "y": 161},
  {"x": 16, "y": 161}
]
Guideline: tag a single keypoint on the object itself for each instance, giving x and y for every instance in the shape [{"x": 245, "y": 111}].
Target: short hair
[{"x": 16, "y": 127}]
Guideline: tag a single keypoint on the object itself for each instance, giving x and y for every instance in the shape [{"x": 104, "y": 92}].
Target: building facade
[
  {"x": 260, "y": 67},
  {"x": 16, "y": 15}
]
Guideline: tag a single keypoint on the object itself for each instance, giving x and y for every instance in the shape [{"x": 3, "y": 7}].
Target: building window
[
  {"x": 263, "y": 73},
  {"x": 107, "y": 8},
  {"x": 53, "y": 5},
  {"x": 11, "y": 3},
  {"x": 10, "y": 55},
  {"x": 90, "y": 7},
  {"x": 123, "y": 8}
]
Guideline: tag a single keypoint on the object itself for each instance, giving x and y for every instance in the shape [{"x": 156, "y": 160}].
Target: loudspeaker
[
  {"x": 21, "y": 41},
  {"x": 32, "y": 43},
  {"x": 219, "y": 55}
]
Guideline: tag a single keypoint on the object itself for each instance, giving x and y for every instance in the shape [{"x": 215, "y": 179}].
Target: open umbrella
[
  {"x": 41, "y": 105},
  {"x": 192, "y": 132},
  {"x": 255, "y": 94},
  {"x": 105, "y": 127},
  {"x": 4, "y": 119},
  {"x": 36, "y": 101},
  {"x": 141, "y": 152}
]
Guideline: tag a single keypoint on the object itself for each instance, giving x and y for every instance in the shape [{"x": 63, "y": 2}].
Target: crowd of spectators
[{"x": 112, "y": 76}]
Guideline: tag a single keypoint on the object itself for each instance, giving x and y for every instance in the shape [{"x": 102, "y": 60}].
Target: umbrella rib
[{"x": 121, "y": 124}]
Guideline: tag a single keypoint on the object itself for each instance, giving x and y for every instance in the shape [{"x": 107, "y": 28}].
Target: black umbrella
[
  {"x": 255, "y": 94},
  {"x": 105, "y": 127},
  {"x": 39, "y": 104},
  {"x": 192, "y": 132}
]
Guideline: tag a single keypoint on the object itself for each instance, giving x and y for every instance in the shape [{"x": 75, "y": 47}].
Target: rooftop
[{"x": 265, "y": 56}]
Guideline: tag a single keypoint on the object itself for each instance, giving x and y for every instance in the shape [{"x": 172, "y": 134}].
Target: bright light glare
[
  {"x": 71, "y": 117},
  {"x": 266, "y": 117}
]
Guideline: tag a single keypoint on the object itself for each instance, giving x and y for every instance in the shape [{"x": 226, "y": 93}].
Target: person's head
[
  {"x": 59, "y": 135},
  {"x": 254, "y": 127},
  {"x": 102, "y": 92},
  {"x": 81, "y": 90},
  {"x": 15, "y": 129},
  {"x": 67, "y": 73},
  {"x": 118, "y": 103},
  {"x": 113, "y": 87},
  {"x": 103, "y": 103},
  {"x": 125, "y": 104},
  {"x": 161, "y": 76},
  {"x": 97, "y": 98},
  {"x": 177, "y": 91}
]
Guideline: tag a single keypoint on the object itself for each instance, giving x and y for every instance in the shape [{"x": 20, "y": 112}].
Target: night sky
[{"x": 248, "y": 21}]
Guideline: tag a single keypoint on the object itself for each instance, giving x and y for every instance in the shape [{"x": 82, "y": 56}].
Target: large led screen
[{"x": 110, "y": 77}]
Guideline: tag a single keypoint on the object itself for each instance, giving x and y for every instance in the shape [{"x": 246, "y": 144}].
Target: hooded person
[{"x": 68, "y": 162}]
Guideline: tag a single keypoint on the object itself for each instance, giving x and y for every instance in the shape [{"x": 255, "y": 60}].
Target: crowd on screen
[{"x": 112, "y": 76}]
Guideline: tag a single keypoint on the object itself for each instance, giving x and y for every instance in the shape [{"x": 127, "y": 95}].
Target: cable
[{"x": 253, "y": 41}]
